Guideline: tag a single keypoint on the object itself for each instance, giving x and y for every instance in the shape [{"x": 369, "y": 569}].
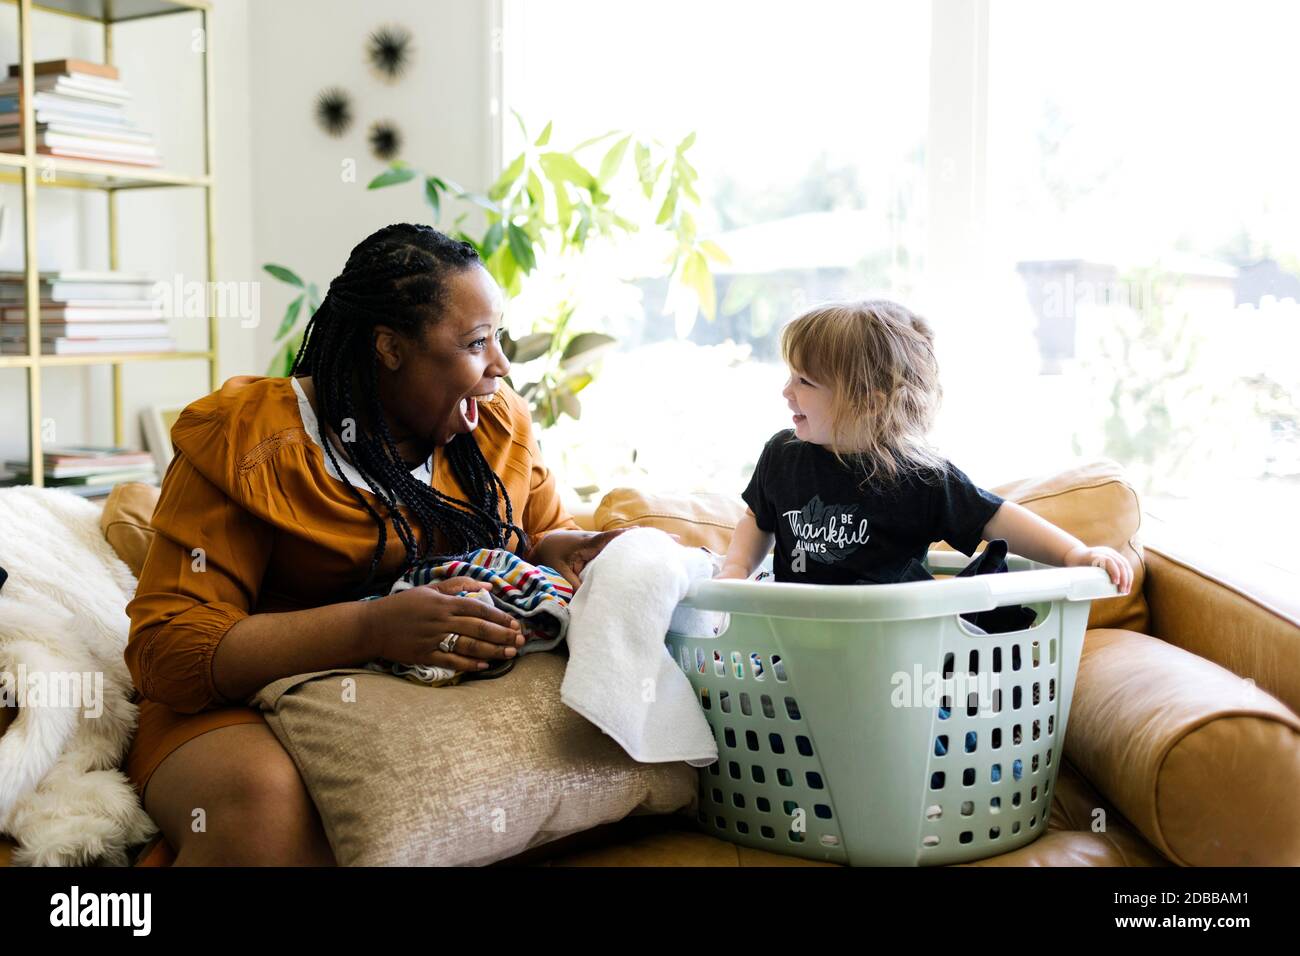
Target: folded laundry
[{"x": 535, "y": 594}]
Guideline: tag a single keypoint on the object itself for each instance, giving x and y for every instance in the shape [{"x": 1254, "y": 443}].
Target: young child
[{"x": 853, "y": 493}]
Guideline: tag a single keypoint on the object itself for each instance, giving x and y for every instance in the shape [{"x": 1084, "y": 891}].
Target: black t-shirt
[{"x": 832, "y": 527}]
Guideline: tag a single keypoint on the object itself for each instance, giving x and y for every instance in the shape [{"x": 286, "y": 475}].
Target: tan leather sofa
[{"x": 1183, "y": 746}]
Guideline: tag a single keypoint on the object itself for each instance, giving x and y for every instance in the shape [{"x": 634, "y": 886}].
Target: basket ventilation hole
[
  {"x": 966, "y": 836},
  {"x": 1033, "y": 764},
  {"x": 704, "y": 699},
  {"x": 756, "y": 667},
  {"x": 1037, "y": 696},
  {"x": 972, "y": 703},
  {"x": 804, "y": 745},
  {"x": 699, "y": 659},
  {"x": 1015, "y": 736},
  {"x": 1051, "y": 723},
  {"x": 1015, "y": 697},
  {"x": 967, "y": 808},
  {"x": 830, "y": 839},
  {"x": 994, "y": 832},
  {"x": 930, "y": 841},
  {"x": 742, "y": 826},
  {"x": 1015, "y": 826},
  {"x": 738, "y": 800},
  {"x": 945, "y": 707},
  {"x": 972, "y": 739},
  {"x": 720, "y": 823},
  {"x": 1015, "y": 799},
  {"x": 974, "y": 665},
  {"x": 997, "y": 738},
  {"x": 1033, "y": 793},
  {"x": 936, "y": 780},
  {"x": 745, "y": 707},
  {"x": 717, "y": 795},
  {"x": 941, "y": 746},
  {"x": 995, "y": 805},
  {"x": 1051, "y": 689},
  {"x": 762, "y": 805},
  {"x": 995, "y": 773},
  {"x": 1015, "y": 657},
  {"x": 714, "y": 768},
  {"x": 768, "y": 710},
  {"x": 1035, "y": 730},
  {"x": 737, "y": 667},
  {"x": 719, "y": 668},
  {"x": 789, "y": 807},
  {"x": 729, "y": 736},
  {"x": 814, "y": 780},
  {"x": 734, "y": 769},
  {"x": 724, "y": 701},
  {"x": 1033, "y": 820},
  {"x": 1051, "y": 651},
  {"x": 1034, "y": 653},
  {"x": 933, "y": 812},
  {"x": 776, "y": 743},
  {"x": 1049, "y": 756},
  {"x": 968, "y": 777},
  {"x": 751, "y": 740},
  {"x": 767, "y": 832},
  {"x": 822, "y": 811},
  {"x": 947, "y": 666},
  {"x": 1017, "y": 769},
  {"x": 784, "y": 777},
  {"x": 778, "y": 669},
  {"x": 792, "y": 708},
  {"x": 796, "y": 837},
  {"x": 997, "y": 660}
]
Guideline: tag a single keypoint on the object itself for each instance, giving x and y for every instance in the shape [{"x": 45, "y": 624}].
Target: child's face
[{"x": 811, "y": 403}]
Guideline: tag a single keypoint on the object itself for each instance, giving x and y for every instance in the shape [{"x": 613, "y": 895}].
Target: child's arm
[
  {"x": 749, "y": 545},
  {"x": 1039, "y": 540}
]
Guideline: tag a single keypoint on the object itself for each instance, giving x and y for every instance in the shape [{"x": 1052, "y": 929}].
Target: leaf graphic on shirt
[{"x": 818, "y": 514}]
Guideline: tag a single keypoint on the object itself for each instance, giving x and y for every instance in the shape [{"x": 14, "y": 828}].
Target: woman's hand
[
  {"x": 407, "y": 627},
  {"x": 1120, "y": 571}
]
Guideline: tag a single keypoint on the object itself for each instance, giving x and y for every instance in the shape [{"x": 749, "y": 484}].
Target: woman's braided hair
[{"x": 397, "y": 277}]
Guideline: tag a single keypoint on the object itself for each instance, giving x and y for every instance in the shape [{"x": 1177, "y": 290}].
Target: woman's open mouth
[
  {"x": 800, "y": 418},
  {"x": 469, "y": 413}
]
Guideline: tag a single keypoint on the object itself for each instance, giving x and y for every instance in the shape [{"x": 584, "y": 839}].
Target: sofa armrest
[
  {"x": 1253, "y": 633},
  {"x": 1204, "y": 763}
]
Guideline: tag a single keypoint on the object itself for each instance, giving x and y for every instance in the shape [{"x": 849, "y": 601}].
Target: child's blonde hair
[{"x": 878, "y": 358}]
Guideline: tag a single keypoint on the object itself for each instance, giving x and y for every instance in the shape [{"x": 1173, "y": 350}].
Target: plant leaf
[
  {"x": 584, "y": 349},
  {"x": 545, "y": 137},
  {"x": 614, "y": 159},
  {"x": 431, "y": 194},
  {"x": 283, "y": 274},
  {"x": 495, "y": 233},
  {"x": 390, "y": 177},
  {"x": 687, "y": 143},
  {"x": 531, "y": 347},
  {"x": 521, "y": 248},
  {"x": 695, "y": 274},
  {"x": 644, "y": 171},
  {"x": 714, "y": 251},
  {"x": 507, "y": 178},
  {"x": 290, "y": 317},
  {"x": 561, "y": 166}
]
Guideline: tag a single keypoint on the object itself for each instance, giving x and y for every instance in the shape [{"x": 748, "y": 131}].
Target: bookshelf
[{"x": 33, "y": 171}]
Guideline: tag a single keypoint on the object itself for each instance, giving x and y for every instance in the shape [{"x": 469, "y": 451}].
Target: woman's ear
[{"x": 388, "y": 345}]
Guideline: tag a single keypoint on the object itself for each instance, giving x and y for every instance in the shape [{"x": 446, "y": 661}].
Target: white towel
[{"x": 621, "y": 675}]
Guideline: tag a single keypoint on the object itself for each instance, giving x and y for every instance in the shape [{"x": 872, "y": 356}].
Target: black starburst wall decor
[
  {"x": 385, "y": 139},
  {"x": 389, "y": 51},
  {"x": 334, "y": 111}
]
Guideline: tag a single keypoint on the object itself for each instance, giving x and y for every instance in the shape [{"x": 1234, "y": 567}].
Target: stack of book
[
  {"x": 85, "y": 313},
  {"x": 87, "y": 470},
  {"x": 79, "y": 114}
]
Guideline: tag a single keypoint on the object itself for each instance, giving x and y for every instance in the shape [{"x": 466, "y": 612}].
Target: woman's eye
[{"x": 804, "y": 381}]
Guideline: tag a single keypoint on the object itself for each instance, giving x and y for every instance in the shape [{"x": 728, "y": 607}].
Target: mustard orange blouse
[{"x": 278, "y": 529}]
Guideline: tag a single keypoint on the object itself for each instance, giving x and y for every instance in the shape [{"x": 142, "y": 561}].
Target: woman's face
[
  {"x": 430, "y": 389},
  {"x": 811, "y": 404}
]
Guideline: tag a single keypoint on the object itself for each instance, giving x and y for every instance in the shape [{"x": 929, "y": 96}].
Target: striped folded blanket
[{"x": 535, "y": 594}]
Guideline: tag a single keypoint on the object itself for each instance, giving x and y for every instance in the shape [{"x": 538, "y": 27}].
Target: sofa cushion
[
  {"x": 464, "y": 774},
  {"x": 1092, "y": 501},
  {"x": 1205, "y": 764},
  {"x": 700, "y": 520},
  {"x": 126, "y": 521}
]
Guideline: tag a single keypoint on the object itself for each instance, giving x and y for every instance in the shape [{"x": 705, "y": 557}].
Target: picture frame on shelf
[{"x": 156, "y": 422}]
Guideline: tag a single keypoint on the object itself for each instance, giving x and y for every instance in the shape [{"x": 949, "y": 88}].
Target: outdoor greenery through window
[{"x": 1127, "y": 259}]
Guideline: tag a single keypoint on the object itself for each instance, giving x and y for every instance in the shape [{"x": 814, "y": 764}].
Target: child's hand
[{"x": 1120, "y": 571}]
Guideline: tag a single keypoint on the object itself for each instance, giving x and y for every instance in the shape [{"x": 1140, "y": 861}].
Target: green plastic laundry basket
[{"x": 828, "y": 706}]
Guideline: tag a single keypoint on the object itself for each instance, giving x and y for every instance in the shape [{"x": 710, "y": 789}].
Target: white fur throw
[{"x": 63, "y": 627}]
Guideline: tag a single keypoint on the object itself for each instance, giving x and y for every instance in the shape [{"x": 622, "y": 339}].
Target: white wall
[
  {"x": 280, "y": 195},
  {"x": 305, "y": 215}
]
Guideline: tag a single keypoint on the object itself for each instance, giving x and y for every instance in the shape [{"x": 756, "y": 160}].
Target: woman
[{"x": 274, "y": 518}]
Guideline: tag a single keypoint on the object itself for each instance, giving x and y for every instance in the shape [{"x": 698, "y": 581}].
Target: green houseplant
[{"x": 548, "y": 205}]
